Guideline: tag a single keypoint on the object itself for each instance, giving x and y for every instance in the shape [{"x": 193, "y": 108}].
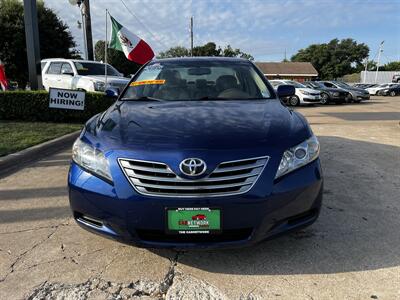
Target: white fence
[{"x": 383, "y": 77}]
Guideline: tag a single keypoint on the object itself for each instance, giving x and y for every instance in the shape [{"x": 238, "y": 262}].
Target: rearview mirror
[
  {"x": 111, "y": 92},
  {"x": 285, "y": 90},
  {"x": 199, "y": 71}
]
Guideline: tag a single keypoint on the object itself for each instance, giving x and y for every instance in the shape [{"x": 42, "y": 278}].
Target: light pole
[
  {"x": 32, "y": 44},
  {"x": 84, "y": 7},
  {"x": 379, "y": 59}
]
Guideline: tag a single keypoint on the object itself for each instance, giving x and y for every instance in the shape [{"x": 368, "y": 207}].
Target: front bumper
[
  {"x": 311, "y": 98},
  {"x": 125, "y": 215}
]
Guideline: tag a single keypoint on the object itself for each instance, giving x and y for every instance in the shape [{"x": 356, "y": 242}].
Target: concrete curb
[{"x": 15, "y": 161}]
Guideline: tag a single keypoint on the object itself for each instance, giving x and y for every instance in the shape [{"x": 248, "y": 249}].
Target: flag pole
[{"x": 105, "y": 53}]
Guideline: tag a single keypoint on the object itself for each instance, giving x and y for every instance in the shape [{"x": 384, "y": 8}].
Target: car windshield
[
  {"x": 198, "y": 80},
  {"x": 295, "y": 84},
  {"x": 342, "y": 84},
  {"x": 314, "y": 84},
  {"x": 87, "y": 68}
]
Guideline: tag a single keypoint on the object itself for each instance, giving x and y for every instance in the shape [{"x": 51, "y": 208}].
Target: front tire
[
  {"x": 349, "y": 98},
  {"x": 324, "y": 99},
  {"x": 392, "y": 93},
  {"x": 294, "y": 101}
]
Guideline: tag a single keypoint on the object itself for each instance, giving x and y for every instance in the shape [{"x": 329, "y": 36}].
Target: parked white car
[
  {"x": 375, "y": 90},
  {"x": 80, "y": 75},
  {"x": 304, "y": 95}
]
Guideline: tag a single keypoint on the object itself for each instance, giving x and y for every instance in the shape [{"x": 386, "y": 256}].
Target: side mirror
[
  {"x": 65, "y": 72},
  {"x": 111, "y": 92},
  {"x": 285, "y": 90}
]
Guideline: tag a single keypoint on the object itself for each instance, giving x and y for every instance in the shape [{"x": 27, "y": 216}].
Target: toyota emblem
[{"x": 193, "y": 166}]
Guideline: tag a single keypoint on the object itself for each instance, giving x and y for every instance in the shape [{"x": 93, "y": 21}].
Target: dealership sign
[{"x": 66, "y": 99}]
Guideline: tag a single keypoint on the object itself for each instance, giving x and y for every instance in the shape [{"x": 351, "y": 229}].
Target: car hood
[
  {"x": 308, "y": 90},
  {"x": 210, "y": 125},
  {"x": 115, "y": 79}
]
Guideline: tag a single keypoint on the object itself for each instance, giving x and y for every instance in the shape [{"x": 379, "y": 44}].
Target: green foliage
[
  {"x": 16, "y": 136},
  {"x": 209, "y": 49},
  {"x": 334, "y": 59},
  {"x": 175, "y": 52},
  {"x": 115, "y": 58},
  {"x": 34, "y": 106},
  {"x": 391, "y": 66},
  {"x": 55, "y": 38}
]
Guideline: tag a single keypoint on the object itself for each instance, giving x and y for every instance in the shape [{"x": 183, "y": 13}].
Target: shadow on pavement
[{"x": 358, "y": 228}]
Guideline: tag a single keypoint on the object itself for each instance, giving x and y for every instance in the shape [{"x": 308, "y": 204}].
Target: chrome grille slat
[
  {"x": 158, "y": 179},
  {"x": 131, "y": 173},
  {"x": 137, "y": 182}
]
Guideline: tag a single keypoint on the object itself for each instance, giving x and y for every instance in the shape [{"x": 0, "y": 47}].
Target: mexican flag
[{"x": 135, "y": 49}]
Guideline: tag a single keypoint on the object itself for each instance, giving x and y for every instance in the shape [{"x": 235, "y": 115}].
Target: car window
[
  {"x": 66, "y": 68},
  {"x": 328, "y": 84},
  {"x": 54, "y": 68},
  {"x": 87, "y": 68},
  {"x": 198, "y": 80}
]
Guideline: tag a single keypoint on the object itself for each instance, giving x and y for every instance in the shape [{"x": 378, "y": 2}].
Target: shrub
[{"x": 34, "y": 106}]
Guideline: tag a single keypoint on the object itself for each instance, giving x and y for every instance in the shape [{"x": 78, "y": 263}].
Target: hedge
[{"x": 34, "y": 106}]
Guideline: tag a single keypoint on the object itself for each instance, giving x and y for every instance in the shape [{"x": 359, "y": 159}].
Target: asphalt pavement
[{"x": 351, "y": 252}]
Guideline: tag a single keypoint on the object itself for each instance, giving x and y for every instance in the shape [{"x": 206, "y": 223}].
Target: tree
[
  {"x": 391, "y": 66},
  {"x": 209, "y": 49},
  {"x": 115, "y": 58},
  {"x": 334, "y": 59},
  {"x": 54, "y": 37},
  {"x": 178, "y": 51}
]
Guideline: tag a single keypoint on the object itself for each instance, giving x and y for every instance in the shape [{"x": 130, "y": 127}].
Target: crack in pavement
[{"x": 20, "y": 256}]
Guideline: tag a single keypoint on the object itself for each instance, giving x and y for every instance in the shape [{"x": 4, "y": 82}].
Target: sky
[{"x": 263, "y": 28}]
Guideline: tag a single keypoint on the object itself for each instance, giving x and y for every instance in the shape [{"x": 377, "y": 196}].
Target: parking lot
[{"x": 351, "y": 252}]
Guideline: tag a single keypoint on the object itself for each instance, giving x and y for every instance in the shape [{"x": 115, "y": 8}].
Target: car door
[
  {"x": 51, "y": 78},
  {"x": 67, "y": 76}
]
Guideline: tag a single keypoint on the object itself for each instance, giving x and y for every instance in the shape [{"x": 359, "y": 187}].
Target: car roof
[
  {"x": 201, "y": 58},
  {"x": 69, "y": 59}
]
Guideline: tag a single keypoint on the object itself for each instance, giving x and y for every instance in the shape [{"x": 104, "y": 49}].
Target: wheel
[
  {"x": 324, "y": 98},
  {"x": 294, "y": 101},
  {"x": 349, "y": 98},
  {"x": 392, "y": 93}
]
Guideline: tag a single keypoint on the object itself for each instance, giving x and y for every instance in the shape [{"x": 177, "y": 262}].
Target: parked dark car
[
  {"x": 396, "y": 78},
  {"x": 355, "y": 94},
  {"x": 191, "y": 136},
  {"x": 328, "y": 95},
  {"x": 391, "y": 91}
]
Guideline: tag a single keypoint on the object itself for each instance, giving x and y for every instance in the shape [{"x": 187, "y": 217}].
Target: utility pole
[
  {"x": 85, "y": 10},
  {"x": 379, "y": 58},
  {"x": 32, "y": 44},
  {"x": 366, "y": 69},
  {"x": 191, "y": 36}
]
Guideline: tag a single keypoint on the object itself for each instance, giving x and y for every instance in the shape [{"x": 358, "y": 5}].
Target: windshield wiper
[{"x": 143, "y": 98}]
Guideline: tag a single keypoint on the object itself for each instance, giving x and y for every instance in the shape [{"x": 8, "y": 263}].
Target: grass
[{"x": 16, "y": 136}]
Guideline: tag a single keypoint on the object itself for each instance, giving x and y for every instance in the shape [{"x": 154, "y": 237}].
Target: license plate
[{"x": 189, "y": 220}]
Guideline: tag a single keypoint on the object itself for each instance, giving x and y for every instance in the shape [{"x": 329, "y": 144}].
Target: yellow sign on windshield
[{"x": 143, "y": 82}]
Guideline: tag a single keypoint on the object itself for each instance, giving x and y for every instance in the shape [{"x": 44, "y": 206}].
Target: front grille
[
  {"x": 228, "y": 178},
  {"x": 229, "y": 235}
]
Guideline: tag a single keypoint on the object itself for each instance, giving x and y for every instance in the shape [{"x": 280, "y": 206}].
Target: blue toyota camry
[{"x": 196, "y": 153}]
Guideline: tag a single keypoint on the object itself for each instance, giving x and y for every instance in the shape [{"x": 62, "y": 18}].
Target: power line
[{"x": 144, "y": 25}]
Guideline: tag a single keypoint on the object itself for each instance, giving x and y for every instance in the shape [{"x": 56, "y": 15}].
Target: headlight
[
  {"x": 304, "y": 92},
  {"x": 91, "y": 159},
  {"x": 298, "y": 156},
  {"x": 99, "y": 86}
]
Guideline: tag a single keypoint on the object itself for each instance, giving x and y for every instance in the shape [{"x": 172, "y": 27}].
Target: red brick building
[{"x": 299, "y": 71}]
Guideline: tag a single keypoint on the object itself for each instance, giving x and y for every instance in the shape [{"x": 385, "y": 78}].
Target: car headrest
[
  {"x": 172, "y": 77},
  {"x": 225, "y": 82},
  {"x": 201, "y": 83}
]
